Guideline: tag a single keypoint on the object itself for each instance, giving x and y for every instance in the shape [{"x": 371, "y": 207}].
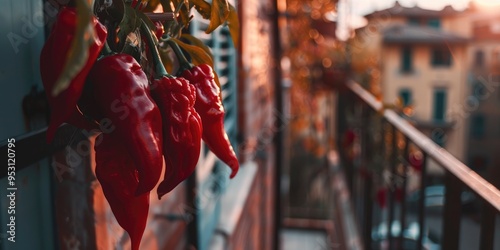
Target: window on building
[
  {"x": 439, "y": 137},
  {"x": 439, "y": 111},
  {"x": 405, "y": 95},
  {"x": 479, "y": 58},
  {"x": 477, "y": 125},
  {"x": 494, "y": 80},
  {"x": 434, "y": 23},
  {"x": 441, "y": 57},
  {"x": 495, "y": 56},
  {"x": 406, "y": 60},
  {"x": 479, "y": 91},
  {"x": 413, "y": 21}
]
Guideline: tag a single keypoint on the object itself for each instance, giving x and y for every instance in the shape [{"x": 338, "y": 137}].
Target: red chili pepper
[
  {"x": 52, "y": 60},
  {"x": 121, "y": 92},
  {"x": 209, "y": 105},
  {"x": 118, "y": 176},
  {"x": 182, "y": 129}
]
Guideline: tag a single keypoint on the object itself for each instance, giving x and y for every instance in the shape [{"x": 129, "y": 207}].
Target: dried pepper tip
[
  {"x": 209, "y": 105},
  {"x": 117, "y": 174}
]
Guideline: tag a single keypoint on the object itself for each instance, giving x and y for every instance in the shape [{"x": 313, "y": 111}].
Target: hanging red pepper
[
  {"x": 181, "y": 129},
  {"x": 118, "y": 176},
  {"x": 121, "y": 94},
  {"x": 52, "y": 61},
  {"x": 209, "y": 106}
]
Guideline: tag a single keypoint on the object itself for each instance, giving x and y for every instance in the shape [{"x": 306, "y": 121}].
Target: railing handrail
[{"x": 447, "y": 161}]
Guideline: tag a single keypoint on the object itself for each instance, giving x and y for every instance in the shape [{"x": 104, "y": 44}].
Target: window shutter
[
  {"x": 406, "y": 60},
  {"x": 439, "y": 105},
  {"x": 405, "y": 95},
  {"x": 212, "y": 174},
  {"x": 434, "y": 23},
  {"x": 478, "y": 124}
]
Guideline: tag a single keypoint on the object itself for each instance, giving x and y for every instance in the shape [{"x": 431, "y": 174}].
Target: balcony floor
[{"x": 300, "y": 239}]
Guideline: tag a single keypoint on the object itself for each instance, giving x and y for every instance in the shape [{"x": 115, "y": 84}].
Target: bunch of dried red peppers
[{"x": 154, "y": 117}]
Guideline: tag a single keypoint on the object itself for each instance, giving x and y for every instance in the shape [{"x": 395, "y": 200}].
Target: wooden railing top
[{"x": 445, "y": 160}]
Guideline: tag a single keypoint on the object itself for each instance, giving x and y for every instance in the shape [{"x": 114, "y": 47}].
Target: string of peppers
[{"x": 122, "y": 84}]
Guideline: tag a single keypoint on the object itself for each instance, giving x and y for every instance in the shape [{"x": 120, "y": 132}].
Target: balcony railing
[{"x": 406, "y": 189}]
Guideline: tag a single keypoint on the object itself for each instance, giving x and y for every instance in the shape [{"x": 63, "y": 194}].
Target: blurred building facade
[
  {"x": 444, "y": 64},
  {"x": 421, "y": 57},
  {"x": 484, "y": 95}
]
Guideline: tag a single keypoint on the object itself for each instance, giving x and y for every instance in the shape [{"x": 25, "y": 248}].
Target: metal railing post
[
  {"x": 366, "y": 154},
  {"x": 488, "y": 213},
  {"x": 451, "y": 212},
  {"x": 368, "y": 212},
  {"x": 487, "y": 233},
  {"x": 421, "y": 201},
  {"x": 404, "y": 183},
  {"x": 392, "y": 185}
]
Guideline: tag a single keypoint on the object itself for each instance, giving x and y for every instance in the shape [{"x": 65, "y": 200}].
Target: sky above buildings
[{"x": 362, "y": 7}]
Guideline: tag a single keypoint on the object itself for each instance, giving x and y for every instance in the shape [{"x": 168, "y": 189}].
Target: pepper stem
[
  {"x": 184, "y": 64},
  {"x": 160, "y": 70}
]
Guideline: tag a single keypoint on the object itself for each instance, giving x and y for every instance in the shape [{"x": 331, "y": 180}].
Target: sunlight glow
[{"x": 488, "y": 3}]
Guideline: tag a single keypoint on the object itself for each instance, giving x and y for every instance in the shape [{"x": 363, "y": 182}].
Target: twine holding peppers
[{"x": 157, "y": 117}]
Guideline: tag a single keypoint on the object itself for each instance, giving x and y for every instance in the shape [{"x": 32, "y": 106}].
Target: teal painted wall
[
  {"x": 22, "y": 37},
  {"x": 22, "y": 33}
]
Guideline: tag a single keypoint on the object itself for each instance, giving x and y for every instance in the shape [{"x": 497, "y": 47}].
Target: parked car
[
  {"x": 435, "y": 196},
  {"x": 410, "y": 237}
]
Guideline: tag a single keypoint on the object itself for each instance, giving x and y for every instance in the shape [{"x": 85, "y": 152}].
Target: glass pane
[
  {"x": 406, "y": 60},
  {"x": 413, "y": 21},
  {"x": 477, "y": 126},
  {"x": 434, "y": 23},
  {"x": 479, "y": 58},
  {"x": 405, "y": 96},
  {"x": 439, "y": 104}
]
